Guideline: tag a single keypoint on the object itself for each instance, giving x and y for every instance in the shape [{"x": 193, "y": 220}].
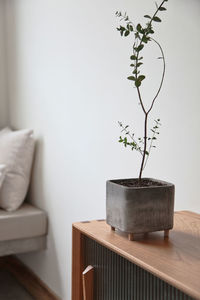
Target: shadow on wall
[
  {"x": 37, "y": 197},
  {"x": 46, "y": 263}
]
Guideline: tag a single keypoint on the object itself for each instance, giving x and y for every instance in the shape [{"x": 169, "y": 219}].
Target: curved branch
[
  {"x": 163, "y": 75},
  {"x": 141, "y": 102}
]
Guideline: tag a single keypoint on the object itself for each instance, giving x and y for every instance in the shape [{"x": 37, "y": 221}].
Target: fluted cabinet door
[{"x": 116, "y": 278}]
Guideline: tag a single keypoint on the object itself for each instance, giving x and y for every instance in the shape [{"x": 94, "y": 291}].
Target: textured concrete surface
[
  {"x": 140, "y": 209},
  {"x": 10, "y": 289}
]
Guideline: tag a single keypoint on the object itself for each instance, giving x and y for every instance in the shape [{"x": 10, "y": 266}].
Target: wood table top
[{"x": 175, "y": 260}]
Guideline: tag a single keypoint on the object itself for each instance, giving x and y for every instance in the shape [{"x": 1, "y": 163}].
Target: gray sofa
[{"x": 22, "y": 231}]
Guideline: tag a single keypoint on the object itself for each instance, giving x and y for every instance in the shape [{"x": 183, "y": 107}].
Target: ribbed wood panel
[{"x": 118, "y": 279}]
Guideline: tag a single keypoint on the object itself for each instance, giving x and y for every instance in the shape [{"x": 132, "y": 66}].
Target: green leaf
[
  {"x": 126, "y": 33},
  {"x": 130, "y": 27},
  {"x": 140, "y": 58},
  {"x": 118, "y": 14},
  {"x": 141, "y": 77},
  {"x": 146, "y": 152},
  {"x": 120, "y": 139},
  {"x": 137, "y": 82},
  {"x": 133, "y": 57},
  {"x": 139, "y": 28},
  {"x": 145, "y": 39},
  {"x": 137, "y": 35},
  {"x": 132, "y": 65},
  {"x": 139, "y": 64},
  {"x": 162, "y": 8},
  {"x": 147, "y": 16},
  {"x": 131, "y": 78},
  {"x": 156, "y": 19},
  {"x": 122, "y": 28},
  {"x": 139, "y": 48}
]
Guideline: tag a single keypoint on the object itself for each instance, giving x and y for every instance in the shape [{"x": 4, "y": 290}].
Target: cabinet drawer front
[{"x": 115, "y": 278}]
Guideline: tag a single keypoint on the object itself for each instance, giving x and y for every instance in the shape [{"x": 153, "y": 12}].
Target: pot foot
[
  {"x": 112, "y": 228},
  {"x": 131, "y": 237},
  {"x": 166, "y": 234}
]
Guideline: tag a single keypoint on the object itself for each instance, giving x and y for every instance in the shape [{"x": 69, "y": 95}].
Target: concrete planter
[{"x": 140, "y": 209}]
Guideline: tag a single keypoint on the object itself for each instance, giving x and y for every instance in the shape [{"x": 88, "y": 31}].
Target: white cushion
[
  {"x": 16, "y": 152},
  {"x": 2, "y": 173}
]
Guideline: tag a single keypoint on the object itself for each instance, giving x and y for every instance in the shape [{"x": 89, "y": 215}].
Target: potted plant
[{"x": 140, "y": 205}]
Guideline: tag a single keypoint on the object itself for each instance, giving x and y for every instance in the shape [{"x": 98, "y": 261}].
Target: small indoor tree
[
  {"x": 140, "y": 205},
  {"x": 142, "y": 37}
]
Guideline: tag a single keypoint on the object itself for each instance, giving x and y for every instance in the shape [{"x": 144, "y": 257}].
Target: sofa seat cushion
[{"x": 26, "y": 222}]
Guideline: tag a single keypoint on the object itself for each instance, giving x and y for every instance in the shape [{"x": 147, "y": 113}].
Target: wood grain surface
[
  {"x": 88, "y": 282},
  {"x": 175, "y": 260},
  {"x": 77, "y": 264}
]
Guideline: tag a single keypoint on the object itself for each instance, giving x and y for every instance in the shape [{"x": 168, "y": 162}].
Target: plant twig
[
  {"x": 152, "y": 139},
  {"x": 163, "y": 75},
  {"x": 131, "y": 136},
  {"x": 145, "y": 146}
]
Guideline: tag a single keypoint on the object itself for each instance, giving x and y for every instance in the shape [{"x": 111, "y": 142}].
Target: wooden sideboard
[{"x": 156, "y": 267}]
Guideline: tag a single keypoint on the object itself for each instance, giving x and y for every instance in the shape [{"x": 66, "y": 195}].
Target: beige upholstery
[{"x": 27, "y": 222}]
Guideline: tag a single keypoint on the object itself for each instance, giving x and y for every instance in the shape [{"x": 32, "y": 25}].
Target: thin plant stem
[
  {"x": 145, "y": 147},
  {"x": 163, "y": 75}
]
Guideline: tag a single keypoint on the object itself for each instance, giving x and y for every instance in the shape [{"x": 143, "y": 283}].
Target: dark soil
[{"x": 135, "y": 182}]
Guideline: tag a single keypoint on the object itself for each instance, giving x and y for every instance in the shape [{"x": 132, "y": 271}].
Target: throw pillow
[{"x": 16, "y": 152}]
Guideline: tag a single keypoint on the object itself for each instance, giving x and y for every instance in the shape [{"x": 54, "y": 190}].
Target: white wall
[
  {"x": 67, "y": 70},
  {"x": 3, "y": 88}
]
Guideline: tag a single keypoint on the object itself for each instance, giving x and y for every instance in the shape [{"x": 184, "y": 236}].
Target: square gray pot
[{"x": 140, "y": 209}]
